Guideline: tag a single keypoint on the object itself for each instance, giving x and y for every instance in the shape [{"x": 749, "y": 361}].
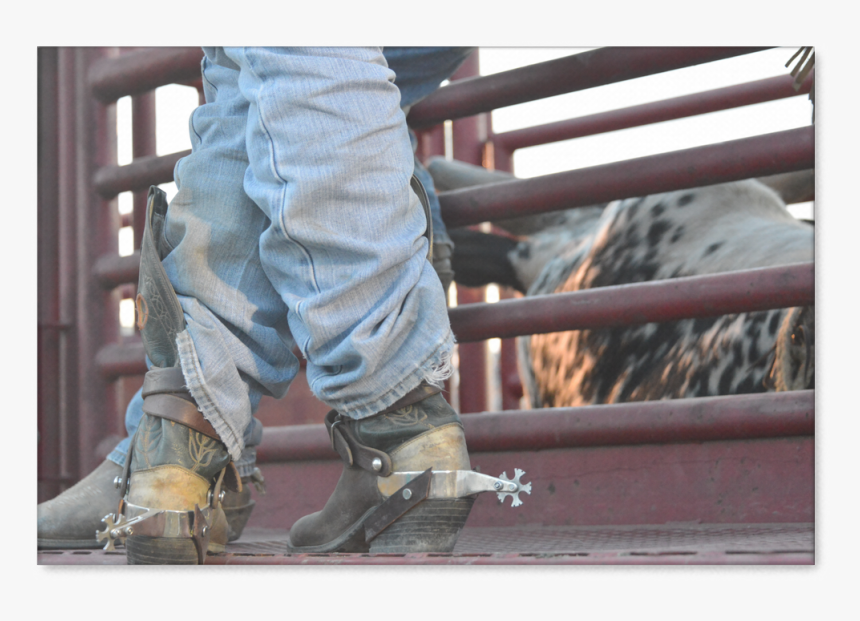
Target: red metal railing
[
  {"x": 654, "y": 301},
  {"x": 564, "y": 75},
  {"x": 760, "y": 91},
  {"x": 706, "y": 419},
  {"x": 78, "y": 297},
  {"x": 769, "y": 154}
]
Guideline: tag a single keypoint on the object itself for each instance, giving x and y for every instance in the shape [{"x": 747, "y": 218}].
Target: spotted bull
[{"x": 720, "y": 228}]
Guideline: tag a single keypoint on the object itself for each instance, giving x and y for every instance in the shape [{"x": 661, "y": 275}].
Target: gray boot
[
  {"x": 418, "y": 433},
  {"x": 175, "y": 478},
  {"x": 70, "y": 520}
]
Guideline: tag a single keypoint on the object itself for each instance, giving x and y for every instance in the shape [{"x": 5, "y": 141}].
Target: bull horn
[
  {"x": 792, "y": 187},
  {"x": 455, "y": 175}
]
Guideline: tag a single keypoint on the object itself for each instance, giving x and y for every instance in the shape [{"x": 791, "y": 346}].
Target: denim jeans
[{"x": 294, "y": 225}]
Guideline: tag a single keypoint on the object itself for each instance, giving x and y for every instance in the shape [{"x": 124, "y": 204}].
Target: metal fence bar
[
  {"x": 468, "y": 137},
  {"x": 97, "y": 226},
  {"x": 137, "y": 176},
  {"x": 143, "y": 70},
  {"x": 112, "y": 270},
  {"x": 728, "y": 161},
  {"x": 703, "y": 419},
  {"x": 563, "y": 75},
  {"x": 68, "y": 262},
  {"x": 639, "y": 303},
  {"x": 758, "y": 156},
  {"x": 769, "y": 89},
  {"x": 633, "y": 304},
  {"x": 121, "y": 359},
  {"x": 143, "y": 145},
  {"x": 48, "y": 283}
]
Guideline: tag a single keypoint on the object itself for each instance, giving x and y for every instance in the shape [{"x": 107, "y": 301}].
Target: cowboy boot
[
  {"x": 420, "y": 431},
  {"x": 239, "y": 505},
  {"x": 172, "y": 512},
  {"x": 171, "y": 508},
  {"x": 70, "y": 520}
]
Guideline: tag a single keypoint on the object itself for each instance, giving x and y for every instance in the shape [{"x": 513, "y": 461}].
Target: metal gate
[{"x": 83, "y": 360}]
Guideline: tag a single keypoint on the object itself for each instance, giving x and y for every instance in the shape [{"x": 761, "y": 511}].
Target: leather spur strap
[
  {"x": 352, "y": 451},
  {"x": 397, "y": 504},
  {"x": 165, "y": 395}
]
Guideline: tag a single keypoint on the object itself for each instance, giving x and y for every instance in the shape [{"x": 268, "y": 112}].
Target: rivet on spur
[{"x": 376, "y": 464}]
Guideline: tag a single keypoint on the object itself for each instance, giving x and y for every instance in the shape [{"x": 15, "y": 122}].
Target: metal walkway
[{"x": 671, "y": 544}]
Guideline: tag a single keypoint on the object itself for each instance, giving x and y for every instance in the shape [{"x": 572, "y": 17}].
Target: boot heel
[
  {"x": 432, "y": 526},
  {"x": 142, "y": 550},
  {"x": 237, "y": 507}
]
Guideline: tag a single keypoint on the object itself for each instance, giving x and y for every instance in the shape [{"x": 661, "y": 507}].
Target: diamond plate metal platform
[{"x": 670, "y": 544}]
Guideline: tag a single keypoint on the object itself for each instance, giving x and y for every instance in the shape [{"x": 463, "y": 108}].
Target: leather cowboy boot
[
  {"x": 172, "y": 511},
  {"x": 419, "y": 432},
  {"x": 71, "y": 520},
  {"x": 406, "y": 484},
  {"x": 171, "y": 507}
]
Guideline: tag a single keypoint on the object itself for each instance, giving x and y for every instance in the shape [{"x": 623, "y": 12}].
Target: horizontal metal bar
[
  {"x": 143, "y": 70},
  {"x": 769, "y": 89},
  {"x": 706, "y": 419},
  {"x": 114, "y": 270},
  {"x": 635, "y": 304},
  {"x": 121, "y": 359},
  {"x": 564, "y": 75},
  {"x": 661, "y": 300},
  {"x": 758, "y": 156},
  {"x": 139, "y": 175}
]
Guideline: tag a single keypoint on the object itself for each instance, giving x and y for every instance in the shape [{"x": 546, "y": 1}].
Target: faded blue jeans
[{"x": 294, "y": 225}]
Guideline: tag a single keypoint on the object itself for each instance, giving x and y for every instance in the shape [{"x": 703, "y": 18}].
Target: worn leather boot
[
  {"x": 171, "y": 509},
  {"x": 419, "y": 432},
  {"x": 175, "y": 475},
  {"x": 70, "y": 521}
]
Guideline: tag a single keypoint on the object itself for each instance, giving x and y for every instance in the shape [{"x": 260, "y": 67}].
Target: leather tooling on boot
[{"x": 172, "y": 522}]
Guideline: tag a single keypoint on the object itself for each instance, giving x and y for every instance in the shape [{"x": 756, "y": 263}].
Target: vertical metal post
[
  {"x": 502, "y": 158},
  {"x": 68, "y": 261},
  {"x": 431, "y": 143},
  {"x": 469, "y": 135},
  {"x": 142, "y": 145},
  {"x": 97, "y": 227},
  {"x": 48, "y": 284},
  {"x": 511, "y": 384}
]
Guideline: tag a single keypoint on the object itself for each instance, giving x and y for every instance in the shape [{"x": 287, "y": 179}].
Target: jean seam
[{"x": 281, "y": 223}]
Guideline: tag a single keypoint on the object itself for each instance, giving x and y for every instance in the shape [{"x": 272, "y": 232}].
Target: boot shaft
[
  {"x": 163, "y": 442},
  {"x": 390, "y": 429}
]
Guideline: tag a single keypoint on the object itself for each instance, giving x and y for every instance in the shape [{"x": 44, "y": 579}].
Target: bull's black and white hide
[{"x": 720, "y": 228}]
